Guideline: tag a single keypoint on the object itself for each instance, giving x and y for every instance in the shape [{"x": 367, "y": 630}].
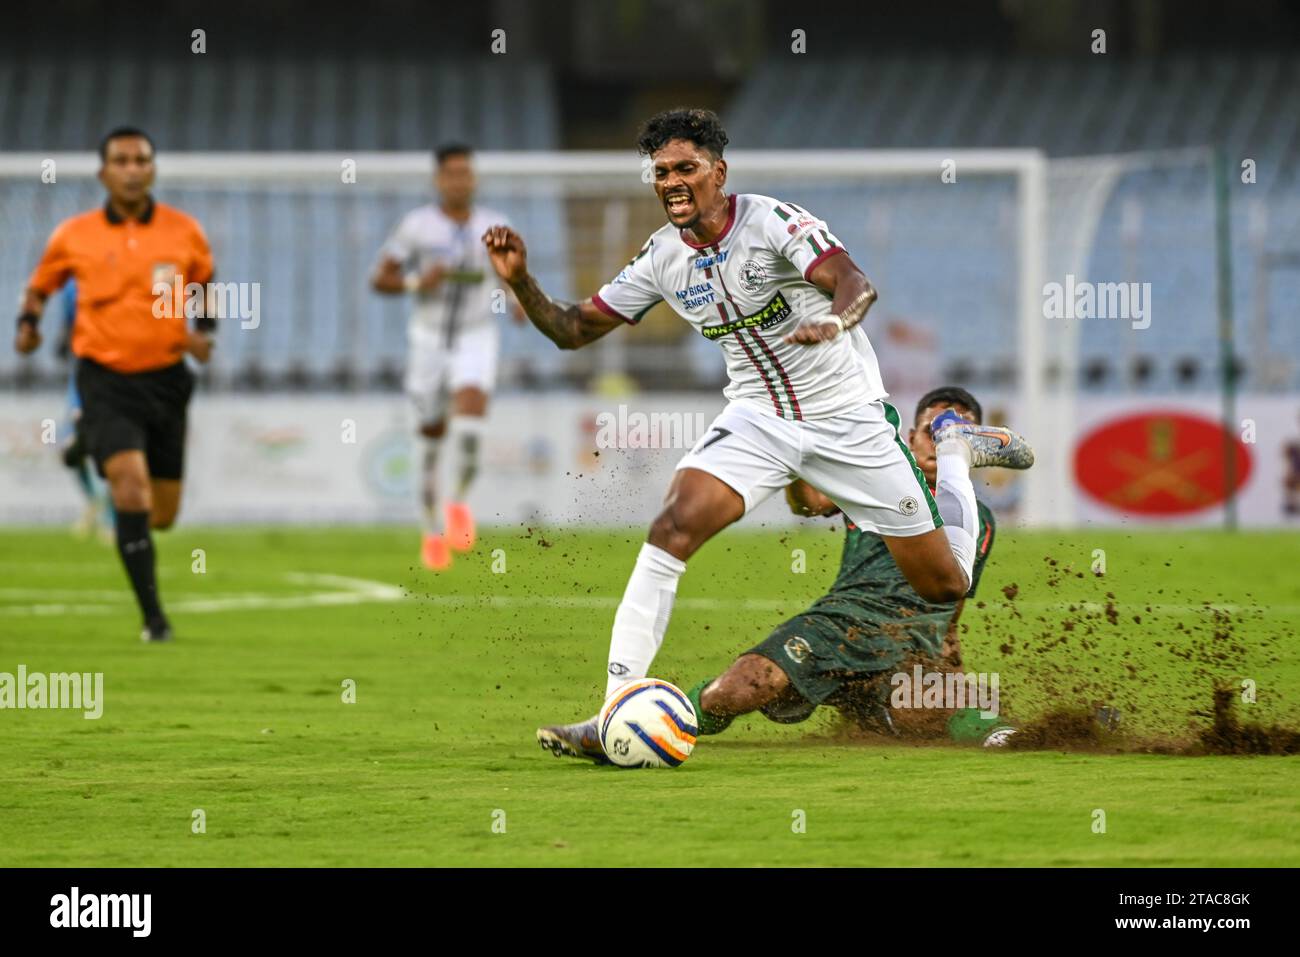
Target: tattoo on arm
[
  {"x": 569, "y": 325},
  {"x": 558, "y": 321}
]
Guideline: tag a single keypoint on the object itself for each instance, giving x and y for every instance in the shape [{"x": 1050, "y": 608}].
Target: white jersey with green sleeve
[
  {"x": 746, "y": 291},
  {"x": 463, "y": 302}
]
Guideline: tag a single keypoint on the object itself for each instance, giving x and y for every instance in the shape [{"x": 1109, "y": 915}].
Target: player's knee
[
  {"x": 944, "y": 588},
  {"x": 675, "y": 531},
  {"x": 746, "y": 686},
  {"x": 434, "y": 430},
  {"x": 131, "y": 494}
]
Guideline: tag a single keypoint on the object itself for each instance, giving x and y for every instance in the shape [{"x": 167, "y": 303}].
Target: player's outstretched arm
[
  {"x": 853, "y": 295},
  {"x": 390, "y": 278},
  {"x": 569, "y": 325},
  {"x": 27, "y": 338}
]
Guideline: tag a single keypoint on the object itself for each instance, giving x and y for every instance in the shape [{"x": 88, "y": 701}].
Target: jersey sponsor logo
[
  {"x": 1161, "y": 463},
  {"x": 776, "y": 311},
  {"x": 797, "y": 648},
  {"x": 752, "y": 276},
  {"x": 696, "y": 295},
  {"x": 909, "y": 506},
  {"x": 803, "y": 222},
  {"x": 705, "y": 262}
]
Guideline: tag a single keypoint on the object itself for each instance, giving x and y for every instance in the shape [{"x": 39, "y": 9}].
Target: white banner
[{"x": 590, "y": 460}]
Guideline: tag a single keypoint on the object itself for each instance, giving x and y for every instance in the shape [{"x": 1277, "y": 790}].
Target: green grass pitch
[{"x": 243, "y": 717}]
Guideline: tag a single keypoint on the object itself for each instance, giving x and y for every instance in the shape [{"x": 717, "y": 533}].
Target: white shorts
[
  {"x": 434, "y": 372},
  {"x": 857, "y": 460}
]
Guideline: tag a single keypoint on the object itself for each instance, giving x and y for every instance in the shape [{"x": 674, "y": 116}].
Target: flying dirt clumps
[
  {"x": 1063, "y": 729},
  {"x": 1229, "y": 736}
]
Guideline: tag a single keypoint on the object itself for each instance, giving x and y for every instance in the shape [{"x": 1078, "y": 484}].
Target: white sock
[
  {"x": 429, "y": 505},
  {"x": 464, "y": 436},
  {"x": 955, "y": 497},
  {"x": 642, "y": 616}
]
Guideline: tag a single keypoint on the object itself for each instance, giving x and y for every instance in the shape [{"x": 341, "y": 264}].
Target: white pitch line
[
  {"x": 772, "y": 604},
  {"x": 595, "y": 601},
  {"x": 355, "y": 591}
]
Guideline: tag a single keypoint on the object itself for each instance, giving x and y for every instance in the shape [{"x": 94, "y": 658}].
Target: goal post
[{"x": 956, "y": 240}]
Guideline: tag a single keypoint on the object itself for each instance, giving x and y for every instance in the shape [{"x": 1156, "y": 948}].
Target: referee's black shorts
[{"x": 141, "y": 410}]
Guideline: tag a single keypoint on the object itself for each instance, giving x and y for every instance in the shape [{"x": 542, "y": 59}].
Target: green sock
[{"x": 707, "y": 723}]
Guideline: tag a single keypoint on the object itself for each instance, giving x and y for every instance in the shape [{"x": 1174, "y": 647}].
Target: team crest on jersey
[
  {"x": 797, "y": 648},
  {"x": 752, "y": 276},
  {"x": 909, "y": 506}
]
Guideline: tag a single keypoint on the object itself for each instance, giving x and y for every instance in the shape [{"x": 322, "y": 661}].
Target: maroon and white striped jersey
[{"x": 746, "y": 291}]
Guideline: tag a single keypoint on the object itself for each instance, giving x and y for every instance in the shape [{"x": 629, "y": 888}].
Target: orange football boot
[
  {"x": 460, "y": 526},
  {"x": 435, "y": 552}
]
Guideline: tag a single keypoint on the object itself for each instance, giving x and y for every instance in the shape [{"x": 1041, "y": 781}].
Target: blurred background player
[
  {"x": 436, "y": 255},
  {"x": 131, "y": 376},
  {"x": 97, "y": 515}
]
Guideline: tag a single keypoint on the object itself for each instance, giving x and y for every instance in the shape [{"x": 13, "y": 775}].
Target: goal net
[{"x": 961, "y": 245}]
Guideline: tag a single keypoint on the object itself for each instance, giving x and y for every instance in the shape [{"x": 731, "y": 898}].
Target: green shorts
[{"x": 835, "y": 649}]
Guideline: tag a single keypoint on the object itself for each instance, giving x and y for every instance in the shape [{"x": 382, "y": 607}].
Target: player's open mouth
[{"x": 678, "y": 204}]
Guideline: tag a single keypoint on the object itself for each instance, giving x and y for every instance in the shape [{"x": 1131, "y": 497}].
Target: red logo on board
[{"x": 1160, "y": 463}]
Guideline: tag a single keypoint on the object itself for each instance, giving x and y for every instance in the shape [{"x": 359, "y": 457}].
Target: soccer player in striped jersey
[
  {"x": 435, "y": 255},
  {"x": 771, "y": 284}
]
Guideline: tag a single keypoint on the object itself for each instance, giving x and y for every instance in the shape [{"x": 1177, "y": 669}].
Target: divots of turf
[
  {"x": 1228, "y": 735},
  {"x": 1062, "y": 729}
]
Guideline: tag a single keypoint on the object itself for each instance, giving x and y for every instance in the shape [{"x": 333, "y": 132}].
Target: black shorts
[{"x": 141, "y": 410}]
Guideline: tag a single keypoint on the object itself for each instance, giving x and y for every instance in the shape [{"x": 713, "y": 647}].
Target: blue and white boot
[{"x": 988, "y": 444}]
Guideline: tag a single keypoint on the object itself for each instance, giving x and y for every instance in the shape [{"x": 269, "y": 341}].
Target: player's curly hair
[
  {"x": 952, "y": 394},
  {"x": 701, "y": 127}
]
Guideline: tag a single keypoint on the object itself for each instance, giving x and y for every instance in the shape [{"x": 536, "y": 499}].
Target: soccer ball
[{"x": 647, "y": 723}]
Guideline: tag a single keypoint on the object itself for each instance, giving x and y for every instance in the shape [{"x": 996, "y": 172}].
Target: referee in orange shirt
[{"x": 131, "y": 372}]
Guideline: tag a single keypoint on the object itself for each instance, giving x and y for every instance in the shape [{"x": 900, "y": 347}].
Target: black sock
[{"x": 135, "y": 545}]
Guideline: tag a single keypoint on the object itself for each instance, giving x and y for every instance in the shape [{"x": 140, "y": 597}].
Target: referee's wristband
[{"x": 28, "y": 319}]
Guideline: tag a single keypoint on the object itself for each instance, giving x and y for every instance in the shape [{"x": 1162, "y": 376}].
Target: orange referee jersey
[{"x": 117, "y": 264}]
